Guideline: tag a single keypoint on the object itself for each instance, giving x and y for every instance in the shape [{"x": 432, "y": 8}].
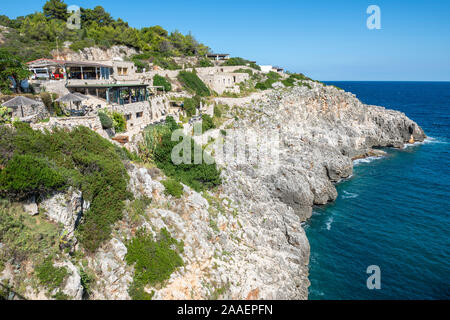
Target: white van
[{"x": 40, "y": 73}]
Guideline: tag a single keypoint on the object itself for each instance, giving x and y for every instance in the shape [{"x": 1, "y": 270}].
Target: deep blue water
[{"x": 394, "y": 211}]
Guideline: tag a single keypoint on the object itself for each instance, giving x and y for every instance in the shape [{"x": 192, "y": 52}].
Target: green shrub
[
  {"x": 158, "y": 149},
  {"x": 173, "y": 188},
  {"x": 154, "y": 260},
  {"x": 254, "y": 66},
  {"x": 273, "y": 76},
  {"x": 46, "y": 99},
  {"x": 236, "y": 62},
  {"x": 6, "y": 144},
  {"x": 46, "y": 161},
  {"x": 106, "y": 121},
  {"x": 250, "y": 72},
  {"x": 26, "y": 175},
  {"x": 193, "y": 83},
  {"x": 263, "y": 85},
  {"x": 50, "y": 276},
  {"x": 207, "y": 123},
  {"x": 289, "y": 82},
  {"x": 162, "y": 82},
  {"x": 218, "y": 111},
  {"x": 205, "y": 63},
  {"x": 5, "y": 115},
  {"x": 81, "y": 44},
  {"x": 25, "y": 237},
  {"x": 141, "y": 65},
  {"x": 190, "y": 107},
  {"x": 120, "y": 123},
  {"x": 86, "y": 279}
]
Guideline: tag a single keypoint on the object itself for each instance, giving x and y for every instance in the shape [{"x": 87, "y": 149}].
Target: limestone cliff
[{"x": 245, "y": 240}]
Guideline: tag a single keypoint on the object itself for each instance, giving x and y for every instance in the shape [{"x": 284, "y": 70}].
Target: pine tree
[{"x": 55, "y": 9}]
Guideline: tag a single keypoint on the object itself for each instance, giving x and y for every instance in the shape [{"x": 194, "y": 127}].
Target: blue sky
[{"x": 327, "y": 40}]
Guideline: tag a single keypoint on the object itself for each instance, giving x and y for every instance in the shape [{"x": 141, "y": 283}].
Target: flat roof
[
  {"x": 53, "y": 62},
  {"x": 107, "y": 85},
  {"x": 217, "y": 54}
]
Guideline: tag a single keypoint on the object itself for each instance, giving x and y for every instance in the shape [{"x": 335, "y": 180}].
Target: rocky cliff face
[
  {"x": 320, "y": 131},
  {"x": 94, "y": 54},
  {"x": 246, "y": 240}
]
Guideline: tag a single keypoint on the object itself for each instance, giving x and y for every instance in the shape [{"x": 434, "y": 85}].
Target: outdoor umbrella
[
  {"x": 20, "y": 101},
  {"x": 70, "y": 97},
  {"x": 82, "y": 96}
]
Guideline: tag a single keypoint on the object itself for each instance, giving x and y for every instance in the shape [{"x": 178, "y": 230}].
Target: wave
[
  {"x": 426, "y": 141},
  {"x": 366, "y": 160},
  {"x": 329, "y": 223},
  {"x": 349, "y": 195}
]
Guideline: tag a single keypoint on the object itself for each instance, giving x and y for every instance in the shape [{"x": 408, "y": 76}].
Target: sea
[{"x": 387, "y": 235}]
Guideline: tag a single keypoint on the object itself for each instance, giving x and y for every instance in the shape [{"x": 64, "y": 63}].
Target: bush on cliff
[
  {"x": 205, "y": 63},
  {"x": 43, "y": 162},
  {"x": 154, "y": 260},
  {"x": 237, "y": 61},
  {"x": 173, "y": 188},
  {"x": 159, "y": 81},
  {"x": 50, "y": 276},
  {"x": 106, "y": 121},
  {"x": 193, "y": 83},
  {"x": 120, "y": 124},
  {"x": 25, "y": 176},
  {"x": 207, "y": 123},
  {"x": 158, "y": 149},
  {"x": 190, "y": 106}
]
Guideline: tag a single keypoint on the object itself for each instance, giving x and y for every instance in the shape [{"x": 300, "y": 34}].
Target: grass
[
  {"x": 173, "y": 188},
  {"x": 50, "y": 276}
]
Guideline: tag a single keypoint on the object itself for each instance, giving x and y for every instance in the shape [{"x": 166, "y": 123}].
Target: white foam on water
[
  {"x": 329, "y": 223},
  {"x": 365, "y": 160},
  {"x": 426, "y": 141},
  {"x": 349, "y": 195}
]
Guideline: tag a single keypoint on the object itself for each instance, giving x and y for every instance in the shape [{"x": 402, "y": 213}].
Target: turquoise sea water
[{"x": 394, "y": 211}]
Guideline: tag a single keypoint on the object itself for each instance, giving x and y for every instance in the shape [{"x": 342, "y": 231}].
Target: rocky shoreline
[
  {"x": 244, "y": 240},
  {"x": 322, "y": 130}
]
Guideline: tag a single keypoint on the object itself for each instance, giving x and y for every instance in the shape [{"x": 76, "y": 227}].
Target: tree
[
  {"x": 55, "y": 9},
  {"x": 159, "y": 81},
  {"x": 10, "y": 66},
  {"x": 98, "y": 15}
]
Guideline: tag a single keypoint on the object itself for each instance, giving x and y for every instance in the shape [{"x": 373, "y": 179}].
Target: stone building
[{"x": 222, "y": 82}]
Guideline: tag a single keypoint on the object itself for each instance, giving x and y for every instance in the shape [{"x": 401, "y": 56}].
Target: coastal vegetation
[
  {"x": 173, "y": 188},
  {"x": 113, "y": 119},
  {"x": 28, "y": 239},
  {"x": 154, "y": 260},
  {"x": 38, "y": 163},
  {"x": 34, "y": 36},
  {"x": 10, "y": 66},
  {"x": 157, "y": 148},
  {"x": 162, "y": 82},
  {"x": 193, "y": 83}
]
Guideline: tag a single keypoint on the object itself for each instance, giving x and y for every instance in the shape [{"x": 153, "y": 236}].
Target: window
[
  {"x": 128, "y": 117},
  {"x": 124, "y": 71},
  {"x": 139, "y": 114}
]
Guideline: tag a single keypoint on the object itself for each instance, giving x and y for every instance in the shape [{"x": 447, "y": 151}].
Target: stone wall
[{"x": 91, "y": 122}]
